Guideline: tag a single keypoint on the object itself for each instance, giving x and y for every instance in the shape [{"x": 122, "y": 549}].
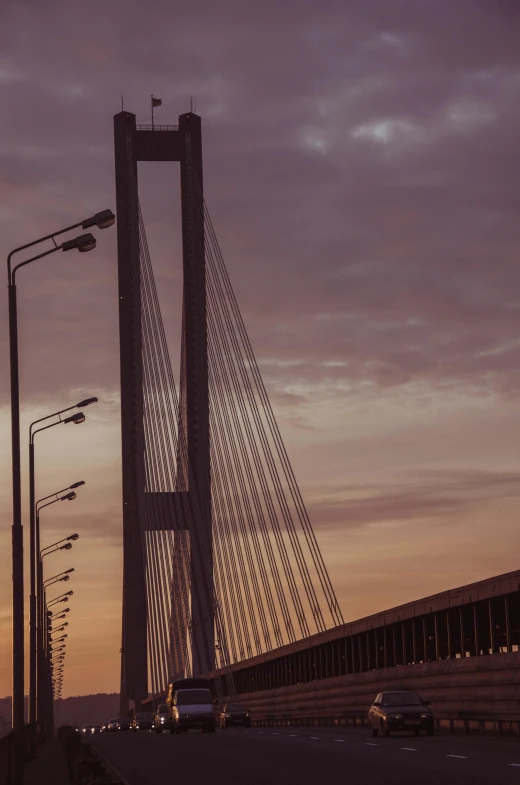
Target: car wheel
[
  {"x": 375, "y": 732},
  {"x": 385, "y": 731}
]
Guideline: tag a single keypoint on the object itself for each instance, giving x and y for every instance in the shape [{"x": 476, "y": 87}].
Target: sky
[{"x": 361, "y": 169}]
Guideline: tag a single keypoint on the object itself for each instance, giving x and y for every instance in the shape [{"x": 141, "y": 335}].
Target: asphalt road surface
[{"x": 301, "y": 756}]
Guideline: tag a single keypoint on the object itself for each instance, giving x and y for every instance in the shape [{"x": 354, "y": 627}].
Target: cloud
[
  {"x": 420, "y": 499},
  {"x": 358, "y": 164}
]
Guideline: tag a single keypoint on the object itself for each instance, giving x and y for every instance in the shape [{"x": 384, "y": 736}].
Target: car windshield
[
  {"x": 163, "y": 709},
  {"x": 142, "y": 717},
  {"x": 189, "y": 697},
  {"x": 401, "y": 699},
  {"x": 235, "y": 707}
]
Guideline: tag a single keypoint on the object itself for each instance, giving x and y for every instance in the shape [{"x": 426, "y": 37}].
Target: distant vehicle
[
  {"x": 190, "y": 706},
  {"x": 123, "y": 723},
  {"x": 400, "y": 711},
  {"x": 160, "y": 718},
  {"x": 86, "y": 729},
  {"x": 142, "y": 721},
  {"x": 95, "y": 729},
  {"x": 111, "y": 725},
  {"x": 234, "y": 714}
]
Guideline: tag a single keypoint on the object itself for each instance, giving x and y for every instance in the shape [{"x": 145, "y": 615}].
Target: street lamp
[
  {"x": 69, "y": 495},
  {"x": 34, "y": 538},
  {"x": 59, "y": 615},
  {"x": 61, "y": 598},
  {"x": 82, "y": 243}
]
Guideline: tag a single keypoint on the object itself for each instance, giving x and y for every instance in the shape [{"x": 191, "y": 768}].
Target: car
[
  {"x": 400, "y": 710},
  {"x": 111, "y": 725},
  {"x": 86, "y": 729},
  {"x": 123, "y": 723},
  {"x": 142, "y": 721},
  {"x": 234, "y": 714},
  {"x": 95, "y": 729},
  {"x": 160, "y": 719}
]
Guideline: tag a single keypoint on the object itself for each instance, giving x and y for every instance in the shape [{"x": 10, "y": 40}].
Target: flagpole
[{"x": 151, "y": 97}]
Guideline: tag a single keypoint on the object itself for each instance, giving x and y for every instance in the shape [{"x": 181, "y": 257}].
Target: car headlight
[
  {"x": 396, "y": 716},
  {"x": 424, "y": 716},
  {"x": 162, "y": 719}
]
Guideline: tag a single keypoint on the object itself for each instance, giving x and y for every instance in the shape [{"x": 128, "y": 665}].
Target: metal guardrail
[
  {"x": 465, "y": 721},
  {"x": 116, "y": 778}
]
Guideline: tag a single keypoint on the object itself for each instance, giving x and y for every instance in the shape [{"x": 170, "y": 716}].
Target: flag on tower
[{"x": 156, "y": 102}]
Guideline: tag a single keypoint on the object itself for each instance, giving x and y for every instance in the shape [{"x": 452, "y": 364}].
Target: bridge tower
[{"x": 182, "y": 143}]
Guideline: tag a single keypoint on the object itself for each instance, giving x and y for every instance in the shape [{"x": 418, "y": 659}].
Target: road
[{"x": 301, "y": 756}]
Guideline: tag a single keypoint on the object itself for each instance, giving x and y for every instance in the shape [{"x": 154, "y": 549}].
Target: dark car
[
  {"x": 142, "y": 721},
  {"x": 123, "y": 723},
  {"x": 234, "y": 714},
  {"x": 110, "y": 725},
  {"x": 400, "y": 711},
  {"x": 95, "y": 729}
]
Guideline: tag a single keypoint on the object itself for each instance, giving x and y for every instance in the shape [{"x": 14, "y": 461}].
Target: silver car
[{"x": 160, "y": 719}]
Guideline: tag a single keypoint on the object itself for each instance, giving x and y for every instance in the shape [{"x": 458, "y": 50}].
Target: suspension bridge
[
  {"x": 220, "y": 559},
  {"x": 222, "y": 572}
]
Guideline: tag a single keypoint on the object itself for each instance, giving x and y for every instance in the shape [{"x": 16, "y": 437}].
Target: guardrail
[
  {"x": 7, "y": 758},
  {"x": 115, "y": 777},
  {"x": 85, "y": 763},
  {"x": 466, "y": 721},
  {"x": 16, "y": 749}
]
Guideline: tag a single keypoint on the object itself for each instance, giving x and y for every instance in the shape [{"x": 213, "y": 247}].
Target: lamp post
[
  {"x": 61, "y": 598},
  {"x": 38, "y": 507},
  {"x": 76, "y": 418},
  {"x": 44, "y": 716},
  {"x": 85, "y": 242}
]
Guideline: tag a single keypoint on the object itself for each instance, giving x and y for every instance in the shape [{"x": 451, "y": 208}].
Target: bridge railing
[
  {"x": 7, "y": 760},
  {"x": 466, "y": 721}
]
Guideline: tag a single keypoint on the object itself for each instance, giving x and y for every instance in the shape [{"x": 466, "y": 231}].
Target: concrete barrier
[{"x": 484, "y": 686}]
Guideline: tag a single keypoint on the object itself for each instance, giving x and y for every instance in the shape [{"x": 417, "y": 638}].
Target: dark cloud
[{"x": 421, "y": 499}]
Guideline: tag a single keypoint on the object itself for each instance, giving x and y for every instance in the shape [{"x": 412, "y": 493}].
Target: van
[{"x": 190, "y": 706}]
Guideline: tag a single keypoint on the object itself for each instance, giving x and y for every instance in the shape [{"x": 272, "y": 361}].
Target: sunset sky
[{"x": 361, "y": 169}]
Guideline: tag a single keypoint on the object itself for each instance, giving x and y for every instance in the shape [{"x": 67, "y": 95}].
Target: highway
[{"x": 301, "y": 756}]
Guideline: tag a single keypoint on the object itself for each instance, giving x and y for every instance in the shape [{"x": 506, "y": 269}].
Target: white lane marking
[
  {"x": 370, "y": 744},
  {"x": 314, "y": 737},
  {"x": 259, "y": 731},
  {"x": 409, "y": 749},
  {"x": 513, "y": 764},
  {"x": 275, "y": 734},
  {"x": 342, "y": 741},
  {"x": 293, "y": 735},
  {"x": 464, "y": 757}
]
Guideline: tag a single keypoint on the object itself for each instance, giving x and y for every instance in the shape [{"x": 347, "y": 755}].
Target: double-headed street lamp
[
  {"x": 61, "y": 598},
  {"x": 84, "y": 242}
]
